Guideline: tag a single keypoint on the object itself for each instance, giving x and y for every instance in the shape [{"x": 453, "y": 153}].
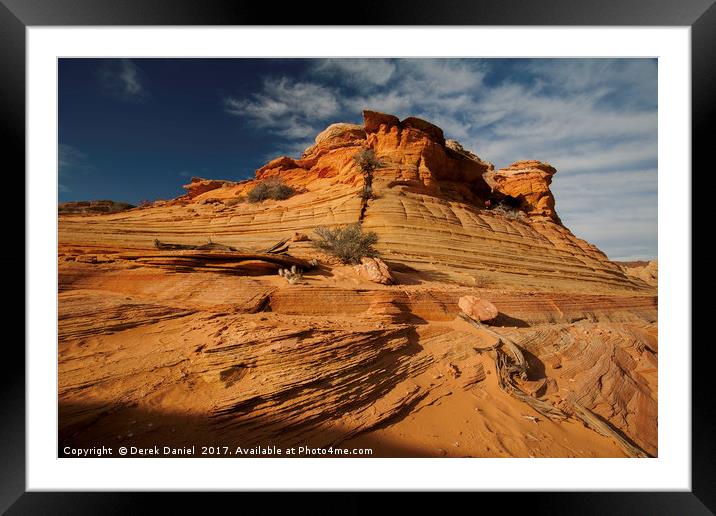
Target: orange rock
[
  {"x": 337, "y": 135},
  {"x": 648, "y": 272},
  {"x": 477, "y": 308},
  {"x": 299, "y": 237},
  {"x": 428, "y": 209},
  {"x": 199, "y": 186},
  {"x": 375, "y": 270},
  {"x": 431, "y": 129},
  {"x": 527, "y": 182},
  {"x": 206, "y": 338},
  {"x": 374, "y": 120}
]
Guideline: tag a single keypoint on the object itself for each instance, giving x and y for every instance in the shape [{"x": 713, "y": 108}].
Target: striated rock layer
[{"x": 174, "y": 326}]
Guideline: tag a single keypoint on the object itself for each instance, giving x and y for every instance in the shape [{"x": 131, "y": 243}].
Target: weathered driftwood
[
  {"x": 279, "y": 247},
  {"x": 209, "y": 246},
  {"x": 505, "y": 374},
  {"x": 514, "y": 363},
  {"x": 220, "y": 261},
  {"x": 510, "y": 364},
  {"x": 601, "y": 426}
]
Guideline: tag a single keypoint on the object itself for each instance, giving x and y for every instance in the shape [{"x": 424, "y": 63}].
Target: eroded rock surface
[
  {"x": 207, "y": 343},
  {"x": 527, "y": 182}
]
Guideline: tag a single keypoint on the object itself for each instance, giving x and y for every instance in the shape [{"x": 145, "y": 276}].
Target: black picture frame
[{"x": 17, "y": 15}]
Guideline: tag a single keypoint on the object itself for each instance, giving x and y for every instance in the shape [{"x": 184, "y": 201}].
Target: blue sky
[{"x": 135, "y": 129}]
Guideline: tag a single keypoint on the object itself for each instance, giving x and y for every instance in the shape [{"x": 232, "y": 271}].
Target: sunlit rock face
[{"x": 206, "y": 343}]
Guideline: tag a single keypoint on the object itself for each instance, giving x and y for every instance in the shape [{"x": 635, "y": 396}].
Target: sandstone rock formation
[
  {"x": 648, "y": 272},
  {"x": 92, "y": 207},
  {"x": 427, "y": 192},
  {"x": 199, "y": 186},
  {"x": 195, "y": 344},
  {"x": 478, "y": 309},
  {"x": 527, "y": 183}
]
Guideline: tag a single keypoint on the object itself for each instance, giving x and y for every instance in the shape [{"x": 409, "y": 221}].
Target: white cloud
[
  {"x": 129, "y": 76},
  {"x": 123, "y": 79},
  {"x": 394, "y": 102},
  {"x": 356, "y": 71},
  {"x": 293, "y": 110},
  {"x": 633, "y": 76},
  {"x": 441, "y": 76},
  {"x": 595, "y": 120},
  {"x": 615, "y": 210}
]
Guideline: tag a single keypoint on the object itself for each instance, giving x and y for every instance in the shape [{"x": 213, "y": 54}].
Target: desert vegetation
[
  {"x": 272, "y": 188},
  {"x": 348, "y": 243},
  {"x": 367, "y": 161},
  {"x": 508, "y": 211},
  {"x": 292, "y": 275}
]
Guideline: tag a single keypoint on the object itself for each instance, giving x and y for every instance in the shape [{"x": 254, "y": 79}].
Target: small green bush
[
  {"x": 367, "y": 160},
  {"x": 272, "y": 188},
  {"x": 348, "y": 243}
]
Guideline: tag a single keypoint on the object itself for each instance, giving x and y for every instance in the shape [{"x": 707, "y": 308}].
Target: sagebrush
[
  {"x": 348, "y": 243},
  {"x": 272, "y": 188}
]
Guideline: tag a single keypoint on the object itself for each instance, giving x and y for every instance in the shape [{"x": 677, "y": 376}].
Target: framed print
[{"x": 421, "y": 252}]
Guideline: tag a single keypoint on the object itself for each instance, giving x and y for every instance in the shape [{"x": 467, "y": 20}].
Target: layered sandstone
[
  {"x": 648, "y": 272},
  {"x": 92, "y": 207},
  {"x": 527, "y": 184},
  {"x": 427, "y": 192},
  {"x": 199, "y": 340}
]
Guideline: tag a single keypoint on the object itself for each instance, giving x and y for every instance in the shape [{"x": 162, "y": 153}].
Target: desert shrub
[
  {"x": 508, "y": 211},
  {"x": 272, "y": 188},
  {"x": 348, "y": 243},
  {"x": 292, "y": 275},
  {"x": 368, "y": 162},
  {"x": 367, "y": 192}
]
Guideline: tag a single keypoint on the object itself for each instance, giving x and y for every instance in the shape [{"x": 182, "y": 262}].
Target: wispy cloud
[
  {"x": 69, "y": 158},
  {"x": 595, "y": 120},
  {"x": 69, "y": 161},
  {"x": 356, "y": 71},
  {"x": 289, "y": 109},
  {"x": 123, "y": 79}
]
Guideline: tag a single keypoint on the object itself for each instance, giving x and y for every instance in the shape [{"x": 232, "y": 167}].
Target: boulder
[
  {"x": 375, "y": 270},
  {"x": 476, "y": 308},
  {"x": 299, "y": 237}
]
